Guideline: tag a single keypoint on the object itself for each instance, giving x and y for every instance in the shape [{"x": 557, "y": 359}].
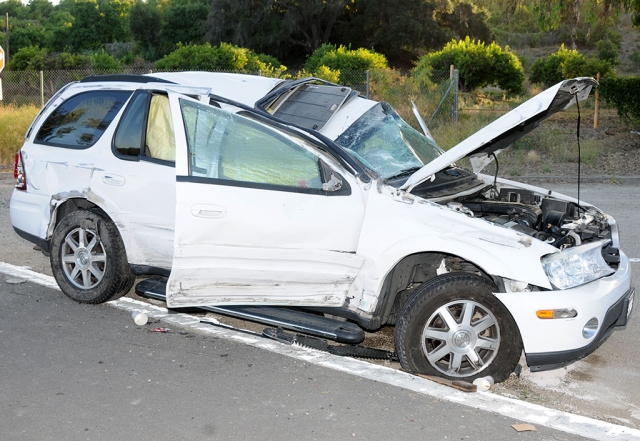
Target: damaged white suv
[{"x": 302, "y": 202}]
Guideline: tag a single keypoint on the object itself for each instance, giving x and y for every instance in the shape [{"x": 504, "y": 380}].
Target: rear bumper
[
  {"x": 30, "y": 214},
  {"x": 616, "y": 317}
]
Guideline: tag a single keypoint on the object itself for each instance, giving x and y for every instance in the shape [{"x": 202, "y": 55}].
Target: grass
[{"x": 14, "y": 122}]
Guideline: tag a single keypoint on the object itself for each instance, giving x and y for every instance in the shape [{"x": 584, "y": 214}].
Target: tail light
[{"x": 19, "y": 174}]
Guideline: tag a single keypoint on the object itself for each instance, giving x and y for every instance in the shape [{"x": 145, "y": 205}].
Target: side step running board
[{"x": 293, "y": 320}]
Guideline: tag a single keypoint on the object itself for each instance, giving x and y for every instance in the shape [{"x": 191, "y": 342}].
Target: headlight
[{"x": 576, "y": 266}]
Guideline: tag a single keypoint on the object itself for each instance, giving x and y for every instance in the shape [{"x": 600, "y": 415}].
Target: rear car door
[{"x": 253, "y": 222}]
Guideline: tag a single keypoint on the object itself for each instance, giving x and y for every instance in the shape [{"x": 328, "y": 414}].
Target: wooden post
[
  {"x": 451, "y": 72},
  {"x": 597, "y": 108}
]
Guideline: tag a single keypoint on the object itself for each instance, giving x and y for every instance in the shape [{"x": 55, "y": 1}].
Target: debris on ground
[
  {"x": 15, "y": 281},
  {"x": 524, "y": 427}
]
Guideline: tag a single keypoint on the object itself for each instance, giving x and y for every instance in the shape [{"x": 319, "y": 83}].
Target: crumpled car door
[{"x": 253, "y": 222}]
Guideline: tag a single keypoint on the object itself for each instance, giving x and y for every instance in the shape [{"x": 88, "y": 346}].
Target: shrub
[
  {"x": 547, "y": 70},
  {"x": 314, "y": 61},
  {"x": 344, "y": 58},
  {"x": 328, "y": 61},
  {"x": 104, "y": 61},
  {"x": 479, "y": 65},
  {"x": 34, "y": 58},
  {"x": 624, "y": 95},
  {"x": 635, "y": 58},
  {"x": 28, "y": 58},
  {"x": 581, "y": 66},
  {"x": 224, "y": 57},
  {"x": 564, "y": 64},
  {"x": 326, "y": 73}
]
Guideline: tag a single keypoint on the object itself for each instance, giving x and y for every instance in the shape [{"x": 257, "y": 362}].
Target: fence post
[
  {"x": 1, "y": 89},
  {"x": 597, "y": 109},
  {"x": 456, "y": 77},
  {"x": 368, "y": 83},
  {"x": 41, "y": 89}
]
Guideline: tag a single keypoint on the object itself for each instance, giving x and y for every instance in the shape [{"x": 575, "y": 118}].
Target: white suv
[{"x": 251, "y": 191}]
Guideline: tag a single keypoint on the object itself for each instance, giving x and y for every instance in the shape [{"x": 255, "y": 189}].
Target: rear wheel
[
  {"x": 454, "y": 327},
  {"x": 88, "y": 258}
]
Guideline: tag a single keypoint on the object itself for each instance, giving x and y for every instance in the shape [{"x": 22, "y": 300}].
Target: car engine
[{"x": 560, "y": 223}]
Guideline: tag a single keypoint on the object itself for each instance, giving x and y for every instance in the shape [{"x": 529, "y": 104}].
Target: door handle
[
  {"x": 114, "y": 180},
  {"x": 208, "y": 211}
]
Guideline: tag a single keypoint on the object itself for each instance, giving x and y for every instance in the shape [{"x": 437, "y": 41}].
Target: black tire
[
  {"x": 97, "y": 269},
  {"x": 461, "y": 349}
]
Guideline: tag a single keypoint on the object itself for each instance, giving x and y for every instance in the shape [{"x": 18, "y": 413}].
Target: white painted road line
[
  {"x": 516, "y": 409},
  {"x": 634, "y": 260}
]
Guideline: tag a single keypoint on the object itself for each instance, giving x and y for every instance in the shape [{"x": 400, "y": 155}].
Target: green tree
[
  {"x": 24, "y": 33},
  {"x": 145, "y": 22},
  {"x": 184, "y": 22},
  {"x": 554, "y": 14},
  {"x": 466, "y": 20},
  {"x": 15, "y": 8},
  {"x": 624, "y": 94},
  {"x": 479, "y": 65},
  {"x": 40, "y": 10},
  {"x": 247, "y": 23},
  {"x": 84, "y": 33},
  {"x": 281, "y": 28},
  {"x": 114, "y": 20},
  {"x": 60, "y": 26},
  {"x": 390, "y": 26}
]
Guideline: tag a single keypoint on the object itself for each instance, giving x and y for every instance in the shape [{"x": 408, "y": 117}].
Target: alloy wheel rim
[
  {"x": 84, "y": 259},
  {"x": 461, "y": 338}
]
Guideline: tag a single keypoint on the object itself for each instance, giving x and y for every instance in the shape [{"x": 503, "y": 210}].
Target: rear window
[{"x": 80, "y": 121}]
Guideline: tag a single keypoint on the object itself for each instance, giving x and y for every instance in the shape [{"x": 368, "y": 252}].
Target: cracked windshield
[{"x": 386, "y": 144}]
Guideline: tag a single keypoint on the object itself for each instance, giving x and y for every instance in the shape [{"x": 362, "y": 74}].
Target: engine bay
[{"x": 558, "y": 222}]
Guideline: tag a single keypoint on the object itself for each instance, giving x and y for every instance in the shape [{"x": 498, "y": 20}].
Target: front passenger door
[{"x": 253, "y": 222}]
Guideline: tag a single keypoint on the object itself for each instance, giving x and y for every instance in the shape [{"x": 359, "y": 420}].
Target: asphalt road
[
  {"x": 71, "y": 371},
  {"x": 77, "y": 372}
]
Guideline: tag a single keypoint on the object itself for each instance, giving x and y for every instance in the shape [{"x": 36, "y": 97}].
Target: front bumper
[
  {"x": 553, "y": 343},
  {"x": 617, "y": 317}
]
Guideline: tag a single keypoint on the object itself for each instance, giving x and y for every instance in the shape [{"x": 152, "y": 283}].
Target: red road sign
[{"x": 1, "y": 58}]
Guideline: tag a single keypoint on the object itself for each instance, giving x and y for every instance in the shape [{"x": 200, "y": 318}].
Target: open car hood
[{"x": 507, "y": 129}]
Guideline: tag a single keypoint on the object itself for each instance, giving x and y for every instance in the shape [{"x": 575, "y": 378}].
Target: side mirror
[{"x": 334, "y": 184}]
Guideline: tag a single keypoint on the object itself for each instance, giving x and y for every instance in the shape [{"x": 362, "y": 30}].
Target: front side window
[
  {"x": 80, "y": 121},
  {"x": 226, "y": 146},
  {"x": 386, "y": 144}
]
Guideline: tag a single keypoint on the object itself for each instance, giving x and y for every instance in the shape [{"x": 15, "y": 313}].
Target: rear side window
[{"x": 80, "y": 121}]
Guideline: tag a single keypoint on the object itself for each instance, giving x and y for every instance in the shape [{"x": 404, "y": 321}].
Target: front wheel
[
  {"x": 88, "y": 258},
  {"x": 454, "y": 327}
]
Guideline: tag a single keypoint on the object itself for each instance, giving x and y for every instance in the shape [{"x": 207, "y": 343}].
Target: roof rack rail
[{"x": 127, "y": 78}]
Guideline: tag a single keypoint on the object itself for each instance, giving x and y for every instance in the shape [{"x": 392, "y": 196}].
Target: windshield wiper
[{"x": 408, "y": 171}]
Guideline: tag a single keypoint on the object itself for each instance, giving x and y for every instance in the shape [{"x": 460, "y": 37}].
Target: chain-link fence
[{"x": 434, "y": 93}]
